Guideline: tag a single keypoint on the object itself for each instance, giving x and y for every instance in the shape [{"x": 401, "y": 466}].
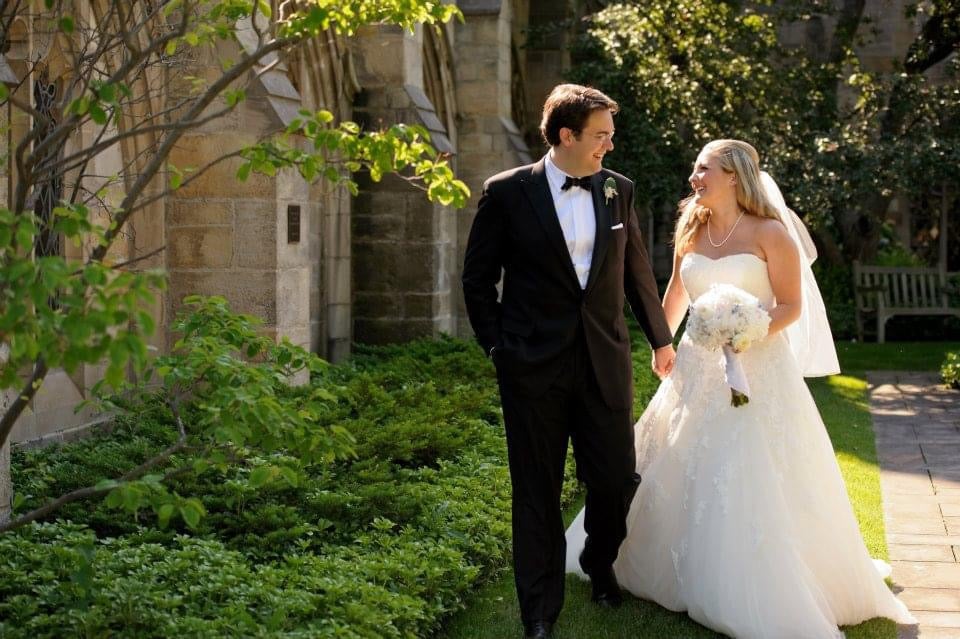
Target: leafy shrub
[
  {"x": 384, "y": 544},
  {"x": 226, "y": 388},
  {"x": 950, "y": 370},
  {"x": 61, "y": 580},
  {"x": 894, "y": 254}
]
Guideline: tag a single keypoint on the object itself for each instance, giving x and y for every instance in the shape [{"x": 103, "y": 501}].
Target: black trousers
[{"x": 538, "y": 429}]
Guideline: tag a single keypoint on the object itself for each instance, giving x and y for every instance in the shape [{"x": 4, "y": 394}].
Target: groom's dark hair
[{"x": 569, "y": 105}]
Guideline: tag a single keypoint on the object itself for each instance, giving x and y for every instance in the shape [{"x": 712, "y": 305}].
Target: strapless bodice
[{"x": 743, "y": 270}]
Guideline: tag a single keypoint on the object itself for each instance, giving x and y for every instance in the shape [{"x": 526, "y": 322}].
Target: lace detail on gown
[{"x": 742, "y": 518}]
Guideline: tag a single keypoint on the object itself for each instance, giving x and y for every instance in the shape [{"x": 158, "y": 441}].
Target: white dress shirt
[{"x": 577, "y": 219}]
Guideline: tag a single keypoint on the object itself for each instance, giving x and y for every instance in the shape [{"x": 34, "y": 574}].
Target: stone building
[{"x": 321, "y": 267}]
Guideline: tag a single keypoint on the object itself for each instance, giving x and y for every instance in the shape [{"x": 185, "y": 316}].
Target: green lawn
[
  {"x": 893, "y": 356},
  {"x": 842, "y": 399}
]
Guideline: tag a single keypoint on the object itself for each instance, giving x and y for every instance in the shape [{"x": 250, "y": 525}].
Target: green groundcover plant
[{"x": 381, "y": 543}]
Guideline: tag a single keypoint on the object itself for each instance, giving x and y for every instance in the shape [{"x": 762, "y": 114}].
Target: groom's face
[{"x": 585, "y": 152}]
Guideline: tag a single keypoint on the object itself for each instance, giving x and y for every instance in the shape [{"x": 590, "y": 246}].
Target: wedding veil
[{"x": 810, "y": 338}]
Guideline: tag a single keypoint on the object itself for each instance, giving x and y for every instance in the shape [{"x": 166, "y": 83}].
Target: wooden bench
[{"x": 899, "y": 290}]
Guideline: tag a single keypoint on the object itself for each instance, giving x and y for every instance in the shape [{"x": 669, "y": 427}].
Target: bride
[{"x": 742, "y": 518}]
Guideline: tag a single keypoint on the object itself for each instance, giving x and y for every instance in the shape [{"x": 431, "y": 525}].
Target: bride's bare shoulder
[
  {"x": 770, "y": 229},
  {"x": 773, "y": 237}
]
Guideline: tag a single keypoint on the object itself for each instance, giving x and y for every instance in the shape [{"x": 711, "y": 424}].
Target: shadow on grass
[{"x": 893, "y": 356}]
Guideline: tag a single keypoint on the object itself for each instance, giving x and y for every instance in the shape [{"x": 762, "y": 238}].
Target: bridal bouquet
[{"x": 729, "y": 318}]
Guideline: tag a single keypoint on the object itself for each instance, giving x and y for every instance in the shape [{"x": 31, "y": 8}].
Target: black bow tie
[{"x": 583, "y": 183}]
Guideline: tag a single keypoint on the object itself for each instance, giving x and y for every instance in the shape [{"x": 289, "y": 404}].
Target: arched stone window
[
  {"x": 438, "y": 78},
  {"x": 323, "y": 75},
  {"x": 518, "y": 93},
  {"x": 48, "y": 191}
]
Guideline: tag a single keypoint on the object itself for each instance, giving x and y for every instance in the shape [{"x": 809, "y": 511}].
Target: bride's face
[{"x": 711, "y": 184}]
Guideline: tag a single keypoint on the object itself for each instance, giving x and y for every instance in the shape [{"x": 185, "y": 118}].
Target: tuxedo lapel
[
  {"x": 537, "y": 189},
  {"x": 601, "y": 240}
]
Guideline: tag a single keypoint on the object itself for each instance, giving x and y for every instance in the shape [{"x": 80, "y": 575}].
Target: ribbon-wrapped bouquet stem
[{"x": 729, "y": 319}]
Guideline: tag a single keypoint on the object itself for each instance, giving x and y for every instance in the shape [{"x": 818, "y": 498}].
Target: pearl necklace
[{"x": 729, "y": 233}]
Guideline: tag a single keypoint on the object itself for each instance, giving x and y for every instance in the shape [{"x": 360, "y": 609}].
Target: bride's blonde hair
[{"x": 742, "y": 160}]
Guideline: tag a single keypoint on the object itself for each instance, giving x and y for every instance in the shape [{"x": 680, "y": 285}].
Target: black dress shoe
[
  {"x": 605, "y": 591},
  {"x": 538, "y": 629}
]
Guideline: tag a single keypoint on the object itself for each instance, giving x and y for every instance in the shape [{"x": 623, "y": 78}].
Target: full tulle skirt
[{"x": 742, "y": 518}]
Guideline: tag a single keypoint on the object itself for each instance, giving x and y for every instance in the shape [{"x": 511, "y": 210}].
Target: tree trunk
[
  {"x": 849, "y": 16},
  {"x": 6, "y": 484},
  {"x": 6, "y": 487},
  {"x": 828, "y": 251},
  {"x": 860, "y": 228}
]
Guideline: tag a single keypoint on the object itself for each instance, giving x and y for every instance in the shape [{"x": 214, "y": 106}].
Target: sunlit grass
[{"x": 844, "y": 406}]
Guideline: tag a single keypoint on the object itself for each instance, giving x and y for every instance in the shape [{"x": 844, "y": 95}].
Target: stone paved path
[{"x": 917, "y": 424}]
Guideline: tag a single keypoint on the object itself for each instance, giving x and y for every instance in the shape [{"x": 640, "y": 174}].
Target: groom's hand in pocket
[{"x": 663, "y": 359}]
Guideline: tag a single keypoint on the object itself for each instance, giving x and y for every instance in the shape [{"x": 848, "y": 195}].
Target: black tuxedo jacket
[{"x": 533, "y": 326}]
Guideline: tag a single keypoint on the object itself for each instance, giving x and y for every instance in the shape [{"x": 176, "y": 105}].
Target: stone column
[
  {"x": 489, "y": 140},
  {"x": 403, "y": 246},
  {"x": 547, "y": 57},
  {"x": 222, "y": 235},
  {"x": 335, "y": 297},
  {"x": 249, "y": 242}
]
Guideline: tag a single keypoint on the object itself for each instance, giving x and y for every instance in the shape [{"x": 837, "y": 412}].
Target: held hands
[{"x": 662, "y": 361}]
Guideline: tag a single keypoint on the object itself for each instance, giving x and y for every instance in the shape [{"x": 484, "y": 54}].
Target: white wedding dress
[{"x": 742, "y": 518}]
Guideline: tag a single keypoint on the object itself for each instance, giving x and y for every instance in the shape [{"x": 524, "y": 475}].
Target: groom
[{"x": 564, "y": 234}]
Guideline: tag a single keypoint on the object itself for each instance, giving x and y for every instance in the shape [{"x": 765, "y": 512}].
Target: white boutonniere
[{"x": 609, "y": 189}]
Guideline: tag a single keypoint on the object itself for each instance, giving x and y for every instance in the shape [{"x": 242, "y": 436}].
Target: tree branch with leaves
[{"x": 66, "y": 313}]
